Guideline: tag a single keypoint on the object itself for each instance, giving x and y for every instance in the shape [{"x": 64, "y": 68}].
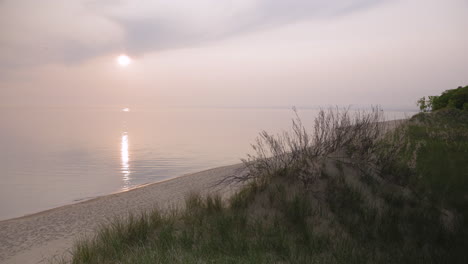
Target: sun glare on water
[
  {"x": 123, "y": 60},
  {"x": 125, "y": 158}
]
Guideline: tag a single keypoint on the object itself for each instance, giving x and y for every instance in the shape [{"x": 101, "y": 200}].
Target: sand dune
[{"x": 39, "y": 237}]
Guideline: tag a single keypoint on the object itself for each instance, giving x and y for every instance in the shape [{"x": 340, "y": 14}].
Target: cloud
[
  {"x": 192, "y": 23},
  {"x": 68, "y": 31},
  {"x": 39, "y": 32}
]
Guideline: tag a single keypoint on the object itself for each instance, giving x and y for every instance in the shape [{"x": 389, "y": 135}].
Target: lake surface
[{"x": 55, "y": 156}]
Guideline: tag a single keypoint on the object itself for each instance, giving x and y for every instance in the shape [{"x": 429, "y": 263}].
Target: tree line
[{"x": 453, "y": 98}]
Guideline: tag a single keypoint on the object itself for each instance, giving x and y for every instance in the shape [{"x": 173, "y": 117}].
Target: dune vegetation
[
  {"x": 453, "y": 98},
  {"x": 354, "y": 189}
]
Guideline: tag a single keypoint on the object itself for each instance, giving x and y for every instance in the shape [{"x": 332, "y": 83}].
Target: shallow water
[{"x": 55, "y": 156}]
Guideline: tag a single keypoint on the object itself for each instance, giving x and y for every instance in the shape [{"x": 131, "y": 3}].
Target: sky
[{"x": 219, "y": 53}]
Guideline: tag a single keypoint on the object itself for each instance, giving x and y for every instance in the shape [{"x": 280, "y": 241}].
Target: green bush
[{"x": 454, "y": 98}]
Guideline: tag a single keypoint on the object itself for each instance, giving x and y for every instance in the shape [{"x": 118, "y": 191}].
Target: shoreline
[
  {"x": 88, "y": 199},
  {"x": 47, "y": 234}
]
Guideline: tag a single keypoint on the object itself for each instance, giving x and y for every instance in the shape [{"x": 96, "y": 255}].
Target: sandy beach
[{"x": 40, "y": 237}]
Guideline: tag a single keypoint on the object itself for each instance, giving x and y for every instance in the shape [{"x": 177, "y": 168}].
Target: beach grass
[{"x": 278, "y": 224}]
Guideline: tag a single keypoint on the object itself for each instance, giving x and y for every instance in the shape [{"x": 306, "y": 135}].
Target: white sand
[{"x": 38, "y": 237}]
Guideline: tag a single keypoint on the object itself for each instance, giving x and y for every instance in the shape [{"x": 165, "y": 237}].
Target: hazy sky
[{"x": 242, "y": 53}]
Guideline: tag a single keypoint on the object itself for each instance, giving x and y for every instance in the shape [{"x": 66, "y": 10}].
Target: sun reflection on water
[{"x": 125, "y": 166}]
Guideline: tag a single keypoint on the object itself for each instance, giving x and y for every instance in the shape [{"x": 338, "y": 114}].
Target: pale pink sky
[{"x": 246, "y": 53}]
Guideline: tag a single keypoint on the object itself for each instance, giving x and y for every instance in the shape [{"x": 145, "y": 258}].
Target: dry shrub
[{"x": 346, "y": 136}]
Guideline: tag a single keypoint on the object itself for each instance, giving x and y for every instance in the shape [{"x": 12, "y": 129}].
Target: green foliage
[
  {"x": 424, "y": 105},
  {"x": 454, "y": 98}
]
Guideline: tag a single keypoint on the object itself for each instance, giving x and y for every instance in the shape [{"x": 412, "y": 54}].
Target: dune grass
[
  {"x": 413, "y": 211},
  {"x": 279, "y": 223},
  {"x": 440, "y": 143}
]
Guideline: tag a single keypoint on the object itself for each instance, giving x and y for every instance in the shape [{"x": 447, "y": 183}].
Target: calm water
[{"x": 55, "y": 156}]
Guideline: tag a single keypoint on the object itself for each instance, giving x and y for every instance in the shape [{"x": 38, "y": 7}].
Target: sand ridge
[{"x": 38, "y": 237}]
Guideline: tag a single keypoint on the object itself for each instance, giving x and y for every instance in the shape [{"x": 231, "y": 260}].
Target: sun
[{"x": 123, "y": 60}]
